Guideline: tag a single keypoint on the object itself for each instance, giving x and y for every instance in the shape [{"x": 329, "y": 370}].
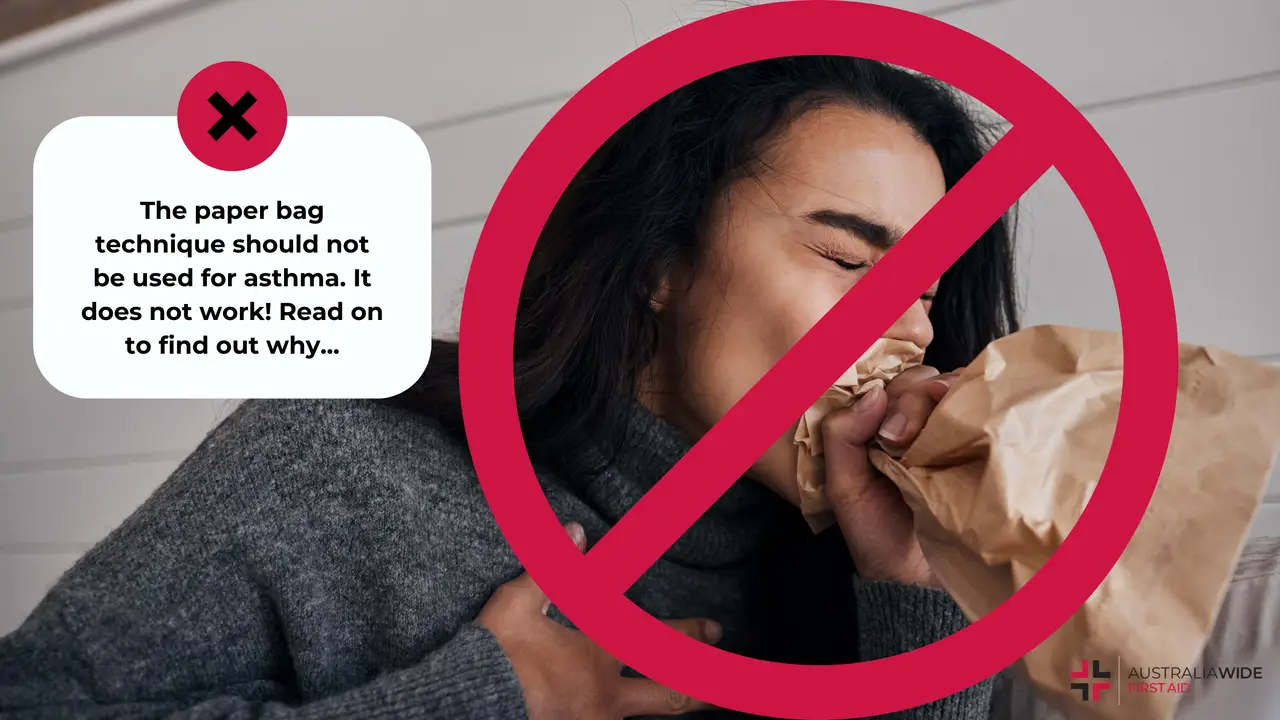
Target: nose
[{"x": 913, "y": 326}]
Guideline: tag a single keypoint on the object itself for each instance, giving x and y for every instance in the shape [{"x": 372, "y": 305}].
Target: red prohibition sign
[{"x": 1046, "y": 130}]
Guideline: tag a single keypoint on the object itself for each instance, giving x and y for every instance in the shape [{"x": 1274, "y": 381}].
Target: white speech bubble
[{"x": 370, "y": 175}]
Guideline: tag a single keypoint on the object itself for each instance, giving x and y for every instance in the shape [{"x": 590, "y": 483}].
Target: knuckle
[
  {"x": 916, "y": 405},
  {"x": 920, "y": 393},
  {"x": 505, "y": 593},
  {"x": 849, "y": 468},
  {"x": 847, "y": 491},
  {"x": 909, "y": 378},
  {"x": 508, "y": 594},
  {"x": 849, "y": 426},
  {"x": 677, "y": 701},
  {"x": 907, "y": 397}
]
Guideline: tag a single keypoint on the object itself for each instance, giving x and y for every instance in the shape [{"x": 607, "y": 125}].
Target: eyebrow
[{"x": 880, "y": 236}]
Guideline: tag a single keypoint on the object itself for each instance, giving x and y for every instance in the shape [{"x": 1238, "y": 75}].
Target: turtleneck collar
[{"x": 732, "y": 530}]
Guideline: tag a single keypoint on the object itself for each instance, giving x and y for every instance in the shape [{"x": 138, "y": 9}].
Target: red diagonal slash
[{"x": 771, "y": 407}]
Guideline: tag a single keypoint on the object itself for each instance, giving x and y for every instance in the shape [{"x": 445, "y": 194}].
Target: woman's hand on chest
[{"x": 566, "y": 676}]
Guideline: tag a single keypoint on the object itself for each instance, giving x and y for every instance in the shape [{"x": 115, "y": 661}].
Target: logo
[
  {"x": 1091, "y": 683},
  {"x": 1091, "y": 679}
]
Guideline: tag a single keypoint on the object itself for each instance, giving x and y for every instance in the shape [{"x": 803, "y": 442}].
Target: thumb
[
  {"x": 857, "y": 425},
  {"x": 845, "y": 435}
]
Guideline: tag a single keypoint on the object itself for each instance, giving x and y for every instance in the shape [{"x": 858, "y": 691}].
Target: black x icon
[{"x": 232, "y": 116}]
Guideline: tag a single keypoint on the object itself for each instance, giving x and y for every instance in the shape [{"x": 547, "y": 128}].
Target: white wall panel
[
  {"x": 1102, "y": 51},
  {"x": 26, "y": 577},
  {"x": 40, "y": 424},
  {"x": 15, "y": 266},
  {"x": 412, "y": 60},
  {"x": 471, "y": 161},
  {"x": 416, "y": 61},
  {"x": 1207, "y": 166},
  {"x": 76, "y": 505}
]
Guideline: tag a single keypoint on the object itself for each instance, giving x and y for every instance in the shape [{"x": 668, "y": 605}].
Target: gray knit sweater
[{"x": 326, "y": 559}]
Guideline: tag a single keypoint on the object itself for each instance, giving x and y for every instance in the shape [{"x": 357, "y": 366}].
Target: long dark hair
[{"x": 585, "y": 327}]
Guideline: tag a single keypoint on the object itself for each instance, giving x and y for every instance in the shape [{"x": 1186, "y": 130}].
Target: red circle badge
[
  {"x": 232, "y": 116},
  {"x": 1046, "y": 130}
]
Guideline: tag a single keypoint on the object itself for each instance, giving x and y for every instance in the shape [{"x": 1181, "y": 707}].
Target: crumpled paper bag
[
  {"x": 1007, "y": 462},
  {"x": 883, "y": 361}
]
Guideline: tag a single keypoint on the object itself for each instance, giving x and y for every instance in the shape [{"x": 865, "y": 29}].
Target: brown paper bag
[
  {"x": 883, "y": 361},
  {"x": 1008, "y": 460}
]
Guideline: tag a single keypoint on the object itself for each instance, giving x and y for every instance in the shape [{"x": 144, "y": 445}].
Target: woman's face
[{"x": 781, "y": 248}]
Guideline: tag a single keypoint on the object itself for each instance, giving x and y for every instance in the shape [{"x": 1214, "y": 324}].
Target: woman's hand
[
  {"x": 566, "y": 676},
  {"x": 876, "y": 522}
]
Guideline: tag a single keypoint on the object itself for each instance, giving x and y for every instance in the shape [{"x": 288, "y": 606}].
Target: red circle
[
  {"x": 232, "y": 116},
  {"x": 818, "y": 27}
]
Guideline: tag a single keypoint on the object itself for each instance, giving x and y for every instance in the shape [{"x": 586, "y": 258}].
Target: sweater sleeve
[
  {"x": 894, "y": 618},
  {"x": 43, "y": 676},
  {"x": 308, "y": 560}
]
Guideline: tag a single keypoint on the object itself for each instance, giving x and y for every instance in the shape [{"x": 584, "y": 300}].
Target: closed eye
[
  {"x": 845, "y": 264},
  {"x": 852, "y": 265}
]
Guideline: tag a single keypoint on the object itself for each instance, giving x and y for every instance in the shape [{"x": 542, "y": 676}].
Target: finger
[
  {"x": 524, "y": 592},
  {"x": 577, "y": 535},
  {"x": 700, "y": 629},
  {"x": 845, "y": 435},
  {"x": 909, "y": 378},
  {"x": 873, "y": 517},
  {"x": 857, "y": 424},
  {"x": 938, "y": 389},
  {"x": 706, "y": 631},
  {"x": 906, "y": 415},
  {"x": 939, "y": 386},
  {"x": 643, "y": 697},
  {"x": 523, "y": 596}
]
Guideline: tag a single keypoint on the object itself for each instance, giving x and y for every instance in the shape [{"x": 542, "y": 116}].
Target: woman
[{"x": 337, "y": 559}]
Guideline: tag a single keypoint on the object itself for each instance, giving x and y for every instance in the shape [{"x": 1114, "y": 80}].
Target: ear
[
  {"x": 661, "y": 298},
  {"x": 673, "y": 283}
]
